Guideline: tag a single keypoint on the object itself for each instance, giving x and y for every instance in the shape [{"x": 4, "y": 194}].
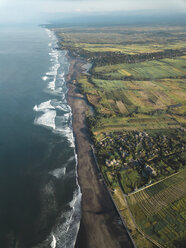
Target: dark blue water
[{"x": 38, "y": 184}]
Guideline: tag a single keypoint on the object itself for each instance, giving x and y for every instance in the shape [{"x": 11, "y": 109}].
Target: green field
[
  {"x": 127, "y": 49},
  {"x": 164, "y": 68},
  {"x": 136, "y": 105},
  {"x": 160, "y": 210}
]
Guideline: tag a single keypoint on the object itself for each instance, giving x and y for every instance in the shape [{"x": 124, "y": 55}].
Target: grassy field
[{"x": 160, "y": 210}]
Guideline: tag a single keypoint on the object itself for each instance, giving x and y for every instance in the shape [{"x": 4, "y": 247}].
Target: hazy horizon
[{"x": 42, "y": 11}]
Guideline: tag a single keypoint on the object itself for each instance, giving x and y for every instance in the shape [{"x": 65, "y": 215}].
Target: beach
[{"x": 100, "y": 223}]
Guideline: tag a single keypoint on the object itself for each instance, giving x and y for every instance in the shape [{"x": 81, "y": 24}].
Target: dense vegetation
[
  {"x": 136, "y": 159},
  {"x": 136, "y": 87}
]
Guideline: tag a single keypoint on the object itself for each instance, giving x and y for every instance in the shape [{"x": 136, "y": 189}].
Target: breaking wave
[
  {"x": 65, "y": 235},
  {"x": 56, "y": 114}
]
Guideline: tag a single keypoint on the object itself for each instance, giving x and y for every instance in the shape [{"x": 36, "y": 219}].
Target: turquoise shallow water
[{"x": 40, "y": 197}]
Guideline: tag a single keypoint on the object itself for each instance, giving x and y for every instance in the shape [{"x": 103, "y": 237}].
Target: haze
[{"x": 39, "y": 10}]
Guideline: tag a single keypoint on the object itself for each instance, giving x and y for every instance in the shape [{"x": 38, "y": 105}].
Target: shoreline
[{"x": 99, "y": 225}]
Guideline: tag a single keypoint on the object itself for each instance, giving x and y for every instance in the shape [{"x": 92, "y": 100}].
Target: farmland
[
  {"x": 164, "y": 68},
  {"x": 136, "y": 105},
  {"x": 133, "y": 40},
  {"x": 129, "y": 49},
  {"x": 137, "y": 90},
  {"x": 160, "y": 210}
]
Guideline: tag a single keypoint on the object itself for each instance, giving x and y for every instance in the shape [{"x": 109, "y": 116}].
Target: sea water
[{"x": 40, "y": 195}]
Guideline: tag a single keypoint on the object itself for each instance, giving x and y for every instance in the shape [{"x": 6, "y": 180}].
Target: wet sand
[{"x": 100, "y": 224}]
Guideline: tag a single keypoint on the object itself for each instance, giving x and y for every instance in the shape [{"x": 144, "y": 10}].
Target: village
[{"x": 139, "y": 157}]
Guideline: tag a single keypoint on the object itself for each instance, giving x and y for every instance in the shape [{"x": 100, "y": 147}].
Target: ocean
[{"x": 40, "y": 196}]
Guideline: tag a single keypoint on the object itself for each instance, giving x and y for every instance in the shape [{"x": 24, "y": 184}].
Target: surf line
[{"x": 53, "y": 243}]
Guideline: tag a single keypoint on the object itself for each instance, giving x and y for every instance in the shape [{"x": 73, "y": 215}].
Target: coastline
[{"x": 99, "y": 225}]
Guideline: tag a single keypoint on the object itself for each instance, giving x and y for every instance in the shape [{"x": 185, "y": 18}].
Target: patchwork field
[
  {"x": 160, "y": 210},
  {"x": 136, "y": 105}
]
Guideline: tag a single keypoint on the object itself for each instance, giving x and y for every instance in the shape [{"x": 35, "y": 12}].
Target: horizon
[
  {"x": 127, "y": 18},
  {"x": 43, "y": 11}
]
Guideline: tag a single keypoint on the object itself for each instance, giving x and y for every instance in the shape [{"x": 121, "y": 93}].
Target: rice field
[
  {"x": 159, "y": 210},
  {"x": 131, "y": 49},
  {"x": 128, "y": 49},
  {"x": 156, "y": 104},
  {"x": 135, "y": 123},
  {"x": 156, "y": 69}
]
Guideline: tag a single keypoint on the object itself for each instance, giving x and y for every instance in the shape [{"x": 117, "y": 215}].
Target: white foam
[
  {"x": 53, "y": 72},
  {"x": 51, "y": 85},
  {"x": 50, "y": 73},
  {"x": 54, "y": 54},
  {"x": 43, "y": 106},
  {"x": 49, "y": 114},
  {"x": 47, "y": 119},
  {"x": 71, "y": 159},
  {"x": 53, "y": 243},
  {"x": 58, "y": 173},
  {"x": 44, "y": 78},
  {"x": 59, "y": 89},
  {"x": 66, "y": 132},
  {"x": 35, "y": 108},
  {"x": 62, "y": 75},
  {"x": 63, "y": 107},
  {"x": 63, "y": 126},
  {"x": 66, "y": 233}
]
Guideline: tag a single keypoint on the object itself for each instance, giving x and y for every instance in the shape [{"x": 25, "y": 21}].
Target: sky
[{"x": 26, "y": 10}]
